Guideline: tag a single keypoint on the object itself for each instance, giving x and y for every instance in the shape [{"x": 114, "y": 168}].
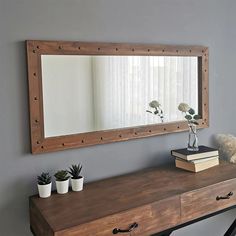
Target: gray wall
[{"x": 203, "y": 22}]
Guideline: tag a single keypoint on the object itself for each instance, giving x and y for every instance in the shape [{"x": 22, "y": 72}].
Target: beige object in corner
[{"x": 227, "y": 147}]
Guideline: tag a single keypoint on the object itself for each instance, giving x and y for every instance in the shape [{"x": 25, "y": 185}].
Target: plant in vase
[
  {"x": 192, "y": 119},
  {"x": 44, "y": 185},
  {"x": 62, "y": 181},
  {"x": 77, "y": 180},
  {"x": 157, "y": 110}
]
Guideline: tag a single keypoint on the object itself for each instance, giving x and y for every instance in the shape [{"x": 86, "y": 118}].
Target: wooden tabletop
[{"x": 117, "y": 194}]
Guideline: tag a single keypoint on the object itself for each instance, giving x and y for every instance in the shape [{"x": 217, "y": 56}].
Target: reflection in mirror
[{"x": 91, "y": 93}]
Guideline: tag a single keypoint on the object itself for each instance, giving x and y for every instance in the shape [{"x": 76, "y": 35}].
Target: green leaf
[
  {"x": 75, "y": 170},
  {"x": 197, "y": 117},
  {"x": 61, "y": 175},
  {"x": 188, "y": 117},
  {"x": 44, "y": 179},
  {"x": 191, "y": 111}
]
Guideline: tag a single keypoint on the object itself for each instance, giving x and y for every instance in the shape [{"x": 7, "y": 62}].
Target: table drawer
[
  {"x": 207, "y": 200},
  {"x": 150, "y": 218}
]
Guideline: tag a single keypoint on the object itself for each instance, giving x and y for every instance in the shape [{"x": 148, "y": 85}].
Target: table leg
[{"x": 232, "y": 230}]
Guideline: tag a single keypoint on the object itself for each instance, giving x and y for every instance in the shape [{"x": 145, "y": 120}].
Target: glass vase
[{"x": 192, "y": 138}]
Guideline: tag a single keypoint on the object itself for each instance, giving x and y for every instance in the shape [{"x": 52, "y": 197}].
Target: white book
[{"x": 197, "y": 166}]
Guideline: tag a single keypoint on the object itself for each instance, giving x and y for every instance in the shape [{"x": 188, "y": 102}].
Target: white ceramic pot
[
  {"x": 77, "y": 184},
  {"x": 45, "y": 190},
  {"x": 62, "y": 186}
]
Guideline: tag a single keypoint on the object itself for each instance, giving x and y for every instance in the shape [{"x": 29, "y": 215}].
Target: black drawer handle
[
  {"x": 228, "y": 196},
  {"x": 130, "y": 229}
]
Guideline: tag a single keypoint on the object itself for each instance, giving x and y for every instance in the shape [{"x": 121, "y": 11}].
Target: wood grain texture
[
  {"x": 157, "y": 199},
  {"x": 36, "y": 48},
  {"x": 151, "y": 218},
  {"x": 205, "y": 200}
]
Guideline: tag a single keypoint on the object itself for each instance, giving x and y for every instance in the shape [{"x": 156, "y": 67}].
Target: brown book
[
  {"x": 198, "y": 165},
  {"x": 203, "y": 152}
]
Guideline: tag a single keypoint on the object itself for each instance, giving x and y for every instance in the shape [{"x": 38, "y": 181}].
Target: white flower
[
  {"x": 184, "y": 107},
  {"x": 154, "y": 104}
]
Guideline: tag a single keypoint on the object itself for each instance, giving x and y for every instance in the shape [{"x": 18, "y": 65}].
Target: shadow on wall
[{"x": 23, "y": 102}]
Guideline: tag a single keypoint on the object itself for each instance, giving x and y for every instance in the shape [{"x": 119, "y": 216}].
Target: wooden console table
[{"x": 147, "y": 202}]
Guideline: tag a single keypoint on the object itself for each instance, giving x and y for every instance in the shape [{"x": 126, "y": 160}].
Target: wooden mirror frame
[{"x": 36, "y": 48}]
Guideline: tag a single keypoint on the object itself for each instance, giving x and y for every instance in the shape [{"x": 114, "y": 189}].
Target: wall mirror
[{"x": 92, "y": 93}]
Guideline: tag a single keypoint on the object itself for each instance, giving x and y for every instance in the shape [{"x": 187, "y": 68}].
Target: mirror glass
[{"x": 90, "y": 93}]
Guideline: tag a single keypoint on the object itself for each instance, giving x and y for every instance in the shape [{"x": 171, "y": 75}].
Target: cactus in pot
[
  {"x": 62, "y": 181},
  {"x": 77, "y": 180},
  {"x": 44, "y": 185}
]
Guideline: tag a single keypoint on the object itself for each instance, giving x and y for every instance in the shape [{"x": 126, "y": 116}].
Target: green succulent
[
  {"x": 44, "y": 179},
  {"x": 62, "y": 175},
  {"x": 75, "y": 170}
]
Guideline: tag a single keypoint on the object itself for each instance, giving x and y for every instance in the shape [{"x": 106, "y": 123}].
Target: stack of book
[{"x": 203, "y": 159}]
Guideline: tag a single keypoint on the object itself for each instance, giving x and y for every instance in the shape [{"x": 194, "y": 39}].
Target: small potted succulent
[
  {"x": 44, "y": 185},
  {"x": 77, "y": 180},
  {"x": 62, "y": 181}
]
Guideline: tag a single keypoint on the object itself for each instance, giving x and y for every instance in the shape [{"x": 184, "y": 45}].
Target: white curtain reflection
[
  {"x": 124, "y": 85},
  {"x": 88, "y": 93}
]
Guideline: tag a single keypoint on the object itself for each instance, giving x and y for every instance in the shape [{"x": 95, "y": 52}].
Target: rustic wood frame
[{"x": 36, "y": 48}]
